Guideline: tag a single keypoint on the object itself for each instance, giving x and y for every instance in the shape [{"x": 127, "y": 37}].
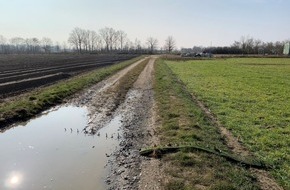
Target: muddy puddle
[{"x": 52, "y": 152}]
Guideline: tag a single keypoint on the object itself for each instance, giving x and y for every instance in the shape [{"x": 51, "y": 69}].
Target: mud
[
  {"x": 130, "y": 170},
  {"x": 127, "y": 170}
]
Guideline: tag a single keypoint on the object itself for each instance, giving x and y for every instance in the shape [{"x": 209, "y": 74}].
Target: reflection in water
[
  {"x": 14, "y": 180},
  {"x": 51, "y": 152}
]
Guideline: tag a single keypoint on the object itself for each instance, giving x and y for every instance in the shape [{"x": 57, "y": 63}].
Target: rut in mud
[{"x": 127, "y": 95}]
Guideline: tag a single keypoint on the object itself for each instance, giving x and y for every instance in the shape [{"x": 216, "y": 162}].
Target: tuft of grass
[
  {"x": 251, "y": 97},
  {"x": 184, "y": 123},
  {"x": 175, "y": 185},
  {"x": 36, "y": 101}
]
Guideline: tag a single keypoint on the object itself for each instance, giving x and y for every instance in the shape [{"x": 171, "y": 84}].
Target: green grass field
[
  {"x": 184, "y": 123},
  {"x": 251, "y": 97}
]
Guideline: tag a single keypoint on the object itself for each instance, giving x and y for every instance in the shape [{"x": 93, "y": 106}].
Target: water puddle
[{"x": 52, "y": 152}]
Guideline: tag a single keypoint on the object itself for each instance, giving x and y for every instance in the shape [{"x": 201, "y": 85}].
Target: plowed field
[{"x": 20, "y": 73}]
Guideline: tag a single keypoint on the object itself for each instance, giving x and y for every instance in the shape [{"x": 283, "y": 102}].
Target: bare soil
[
  {"x": 128, "y": 170},
  {"x": 20, "y": 73}
]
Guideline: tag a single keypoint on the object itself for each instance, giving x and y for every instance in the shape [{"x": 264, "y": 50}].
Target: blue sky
[{"x": 190, "y": 22}]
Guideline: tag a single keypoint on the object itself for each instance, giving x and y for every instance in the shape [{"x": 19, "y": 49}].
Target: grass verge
[
  {"x": 184, "y": 123},
  {"x": 34, "y": 102},
  {"x": 251, "y": 97}
]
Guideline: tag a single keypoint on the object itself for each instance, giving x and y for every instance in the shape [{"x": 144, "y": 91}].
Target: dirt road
[
  {"x": 127, "y": 98},
  {"x": 136, "y": 110}
]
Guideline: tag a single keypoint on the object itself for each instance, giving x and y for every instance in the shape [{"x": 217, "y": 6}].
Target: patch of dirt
[
  {"x": 100, "y": 100},
  {"x": 151, "y": 169},
  {"x": 131, "y": 171},
  {"x": 127, "y": 169},
  {"x": 232, "y": 142},
  {"x": 266, "y": 181}
]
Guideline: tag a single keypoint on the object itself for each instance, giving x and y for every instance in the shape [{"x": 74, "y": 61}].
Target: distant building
[{"x": 286, "y": 50}]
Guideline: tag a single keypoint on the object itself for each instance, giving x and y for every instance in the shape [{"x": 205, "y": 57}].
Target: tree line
[
  {"x": 21, "y": 45},
  {"x": 110, "y": 40},
  {"x": 106, "y": 40},
  {"x": 250, "y": 45}
]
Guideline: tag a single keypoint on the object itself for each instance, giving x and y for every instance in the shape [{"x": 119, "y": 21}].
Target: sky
[{"x": 190, "y": 22}]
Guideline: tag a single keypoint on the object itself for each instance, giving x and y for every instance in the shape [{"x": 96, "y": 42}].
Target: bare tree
[
  {"x": 76, "y": 38},
  {"x": 152, "y": 44},
  {"x": 257, "y": 45},
  {"x": 236, "y": 44},
  {"x": 99, "y": 43},
  {"x": 105, "y": 34},
  {"x": 279, "y": 47},
  {"x": 57, "y": 47},
  {"x": 18, "y": 44},
  {"x": 64, "y": 47},
  {"x": 110, "y": 36},
  {"x": 127, "y": 45},
  {"x": 46, "y": 44},
  {"x": 137, "y": 45},
  {"x": 243, "y": 43},
  {"x": 86, "y": 40},
  {"x": 73, "y": 40},
  {"x": 249, "y": 44},
  {"x": 114, "y": 35},
  {"x": 35, "y": 45},
  {"x": 122, "y": 37},
  {"x": 2, "y": 44},
  {"x": 93, "y": 40},
  {"x": 169, "y": 44},
  {"x": 2, "y": 39}
]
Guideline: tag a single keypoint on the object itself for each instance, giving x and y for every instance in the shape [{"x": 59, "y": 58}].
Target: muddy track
[{"x": 136, "y": 111}]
